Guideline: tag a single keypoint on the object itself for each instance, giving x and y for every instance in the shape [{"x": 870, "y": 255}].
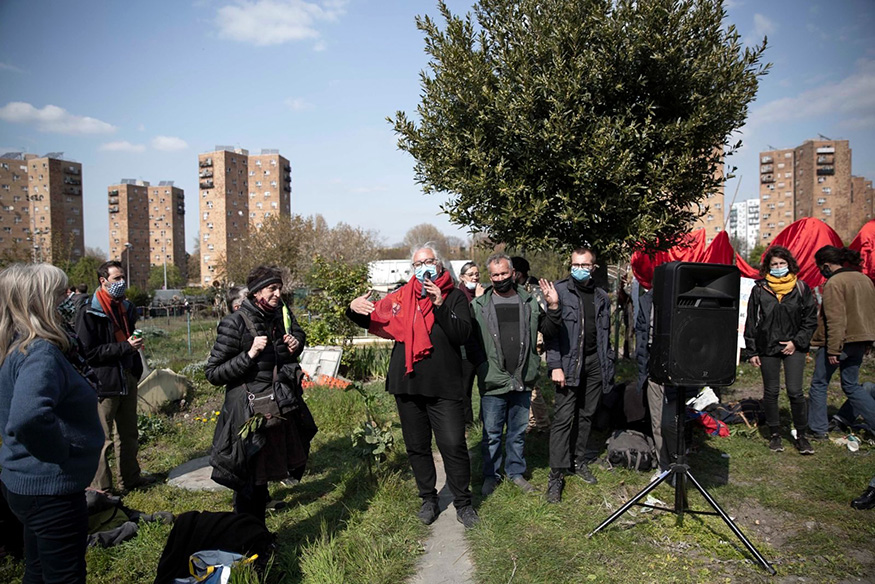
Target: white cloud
[
  {"x": 53, "y": 119},
  {"x": 853, "y": 98},
  {"x": 297, "y": 104},
  {"x": 122, "y": 146},
  {"x": 8, "y": 67},
  {"x": 762, "y": 26},
  {"x": 274, "y": 22},
  {"x": 168, "y": 143}
]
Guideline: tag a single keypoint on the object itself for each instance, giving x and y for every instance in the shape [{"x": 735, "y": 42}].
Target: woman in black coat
[
  {"x": 781, "y": 318},
  {"x": 254, "y": 346}
]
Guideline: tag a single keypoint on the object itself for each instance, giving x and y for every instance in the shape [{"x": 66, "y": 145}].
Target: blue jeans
[
  {"x": 55, "y": 534},
  {"x": 849, "y": 368},
  {"x": 511, "y": 410}
]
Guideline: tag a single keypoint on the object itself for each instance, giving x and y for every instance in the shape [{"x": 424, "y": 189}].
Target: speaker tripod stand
[{"x": 680, "y": 471}]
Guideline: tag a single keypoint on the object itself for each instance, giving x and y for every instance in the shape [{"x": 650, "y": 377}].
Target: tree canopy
[{"x": 556, "y": 123}]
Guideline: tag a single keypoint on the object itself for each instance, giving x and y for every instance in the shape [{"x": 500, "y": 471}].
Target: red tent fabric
[
  {"x": 720, "y": 251},
  {"x": 865, "y": 244},
  {"x": 690, "y": 249},
  {"x": 803, "y": 238},
  {"x": 747, "y": 271}
]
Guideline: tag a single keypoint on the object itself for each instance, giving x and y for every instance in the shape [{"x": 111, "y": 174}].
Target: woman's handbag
[{"x": 265, "y": 404}]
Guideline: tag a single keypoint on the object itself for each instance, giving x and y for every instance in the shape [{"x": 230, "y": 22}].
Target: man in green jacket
[{"x": 507, "y": 320}]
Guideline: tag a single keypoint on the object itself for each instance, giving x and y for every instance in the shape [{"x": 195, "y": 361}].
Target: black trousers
[
  {"x": 794, "y": 365},
  {"x": 573, "y": 409},
  {"x": 55, "y": 532},
  {"x": 421, "y": 417},
  {"x": 252, "y": 499},
  {"x": 469, "y": 372}
]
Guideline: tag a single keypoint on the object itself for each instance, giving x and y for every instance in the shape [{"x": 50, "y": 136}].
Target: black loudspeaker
[{"x": 695, "y": 324}]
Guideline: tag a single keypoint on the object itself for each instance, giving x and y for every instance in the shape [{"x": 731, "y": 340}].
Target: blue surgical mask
[
  {"x": 117, "y": 289},
  {"x": 779, "y": 272},
  {"x": 470, "y": 285},
  {"x": 422, "y": 270},
  {"x": 580, "y": 274}
]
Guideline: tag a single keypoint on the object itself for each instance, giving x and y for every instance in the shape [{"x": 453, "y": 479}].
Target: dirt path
[{"x": 446, "y": 559}]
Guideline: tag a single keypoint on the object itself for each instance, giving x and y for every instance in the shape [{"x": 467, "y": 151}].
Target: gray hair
[
  {"x": 430, "y": 245},
  {"x": 497, "y": 257},
  {"x": 236, "y": 296}
]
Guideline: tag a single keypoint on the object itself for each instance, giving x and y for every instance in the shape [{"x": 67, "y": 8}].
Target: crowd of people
[{"x": 68, "y": 394}]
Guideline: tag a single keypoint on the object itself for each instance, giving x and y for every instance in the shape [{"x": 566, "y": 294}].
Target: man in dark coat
[
  {"x": 581, "y": 365},
  {"x": 429, "y": 319},
  {"x": 106, "y": 326}
]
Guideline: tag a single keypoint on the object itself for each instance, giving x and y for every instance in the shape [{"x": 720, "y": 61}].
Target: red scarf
[
  {"x": 394, "y": 318},
  {"x": 115, "y": 310}
]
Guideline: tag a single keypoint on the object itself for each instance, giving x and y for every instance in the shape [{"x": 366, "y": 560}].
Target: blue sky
[{"x": 138, "y": 89}]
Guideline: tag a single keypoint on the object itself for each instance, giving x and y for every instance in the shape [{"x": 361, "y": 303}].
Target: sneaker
[
  {"x": 290, "y": 482},
  {"x": 584, "y": 473},
  {"x": 817, "y": 436},
  {"x": 555, "y": 484},
  {"x": 428, "y": 512},
  {"x": 803, "y": 445},
  {"x": 866, "y": 500},
  {"x": 775, "y": 443},
  {"x": 524, "y": 485},
  {"x": 489, "y": 485},
  {"x": 467, "y": 516}
]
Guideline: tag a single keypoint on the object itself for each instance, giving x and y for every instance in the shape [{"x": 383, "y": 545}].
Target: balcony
[
  {"x": 206, "y": 162},
  {"x": 73, "y": 190},
  {"x": 206, "y": 173},
  {"x": 113, "y": 208},
  {"x": 113, "y": 200},
  {"x": 826, "y": 159},
  {"x": 180, "y": 209},
  {"x": 287, "y": 188},
  {"x": 207, "y": 184},
  {"x": 72, "y": 170},
  {"x": 767, "y": 178},
  {"x": 829, "y": 170},
  {"x": 826, "y": 150},
  {"x": 72, "y": 181},
  {"x": 766, "y": 168},
  {"x": 113, "y": 193},
  {"x": 765, "y": 159},
  {"x": 287, "y": 168}
]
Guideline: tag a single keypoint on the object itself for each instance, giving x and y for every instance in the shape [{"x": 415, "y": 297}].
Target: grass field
[{"x": 350, "y": 522}]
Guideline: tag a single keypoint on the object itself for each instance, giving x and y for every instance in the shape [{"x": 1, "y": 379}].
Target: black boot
[{"x": 866, "y": 500}]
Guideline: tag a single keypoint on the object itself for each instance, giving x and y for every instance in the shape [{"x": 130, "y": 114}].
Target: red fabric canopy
[
  {"x": 803, "y": 238},
  {"x": 747, "y": 271},
  {"x": 720, "y": 251},
  {"x": 690, "y": 249},
  {"x": 865, "y": 244}
]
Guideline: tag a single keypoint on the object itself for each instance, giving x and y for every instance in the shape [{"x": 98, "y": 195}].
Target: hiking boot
[
  {"x": 775, "y": 443},
  {"x": 803, "y": 445},
  {"x": 866, "y": 500},
  {"x": 555, "y": 484},
  {"x": 584, "y": 473},
  {"x": 428, "y": 512},
  {"x": 524, "y": 485},
  {"x": 467, "y": 516},
  {"x": 489, "y": 485}
]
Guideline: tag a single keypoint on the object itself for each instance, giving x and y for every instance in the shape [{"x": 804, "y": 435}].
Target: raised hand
[
  {"x": 550, "y": 294},
  {"x": 361, "y": 304}
]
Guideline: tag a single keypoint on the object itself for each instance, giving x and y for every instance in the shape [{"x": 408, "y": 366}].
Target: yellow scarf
[{"x": 781, "y": 286}]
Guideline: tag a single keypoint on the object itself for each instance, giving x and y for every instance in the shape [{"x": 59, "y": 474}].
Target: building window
[
  {"x": 827, "y": 212},
  {"x": 827, "y": 191}
]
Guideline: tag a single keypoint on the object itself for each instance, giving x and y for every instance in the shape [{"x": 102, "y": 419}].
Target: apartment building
[
  {"x": 862, "y": 204},
  {"x": 41, "y": 208},
  {"x": 777, "y": 192},
  {"x": 744, "y": 224},
  {"x": 129, "y": 242},
  {"x": 167, "y": 226},
  {"x": 239, "y": 192}
]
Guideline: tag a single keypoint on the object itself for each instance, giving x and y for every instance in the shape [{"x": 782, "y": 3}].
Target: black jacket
[
  {"x": 563, "y": 349},
  {"x": 439, "y": 374},
  {"x": 108, "y": 357},
  {"x": 229, "y": 364},
  {"x": 769, "y": 321}
]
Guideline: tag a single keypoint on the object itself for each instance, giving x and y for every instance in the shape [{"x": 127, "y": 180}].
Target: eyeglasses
[
  {"x": 428, "y": 262},
  {"x": 584, "y": 266}
]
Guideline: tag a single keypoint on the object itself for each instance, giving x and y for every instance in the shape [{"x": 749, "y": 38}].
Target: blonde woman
[{"x": 48, "y": 418}]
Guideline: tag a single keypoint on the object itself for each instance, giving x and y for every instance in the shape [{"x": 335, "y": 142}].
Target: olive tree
[{"x": 553, "y": 123}]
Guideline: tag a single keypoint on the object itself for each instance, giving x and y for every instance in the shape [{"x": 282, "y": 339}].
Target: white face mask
[{"x": 470, "y": 285}]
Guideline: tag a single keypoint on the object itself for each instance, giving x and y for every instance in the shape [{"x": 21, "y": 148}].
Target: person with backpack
[
  {"x": 255, "y": 358},
  {"x": 781, "y": 319}
]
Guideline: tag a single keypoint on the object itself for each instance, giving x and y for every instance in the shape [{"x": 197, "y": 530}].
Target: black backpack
[{"x": 632, "y": 449}]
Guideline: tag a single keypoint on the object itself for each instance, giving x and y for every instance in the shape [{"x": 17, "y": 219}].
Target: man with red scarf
[
  {"x": 429, "y": 319},
  {"x": 105, "y": 326}
]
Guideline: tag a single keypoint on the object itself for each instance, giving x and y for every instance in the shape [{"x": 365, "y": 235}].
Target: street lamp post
[{"x": 128, "y": 248}]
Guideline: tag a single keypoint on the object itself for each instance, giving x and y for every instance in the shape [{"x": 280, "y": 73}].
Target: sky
[{"x": 139, "y": 89}]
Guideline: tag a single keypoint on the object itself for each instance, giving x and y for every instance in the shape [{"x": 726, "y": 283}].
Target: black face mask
[
  {"x": 503, "y": 286},
  {"x": 825, "y": 271}
]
